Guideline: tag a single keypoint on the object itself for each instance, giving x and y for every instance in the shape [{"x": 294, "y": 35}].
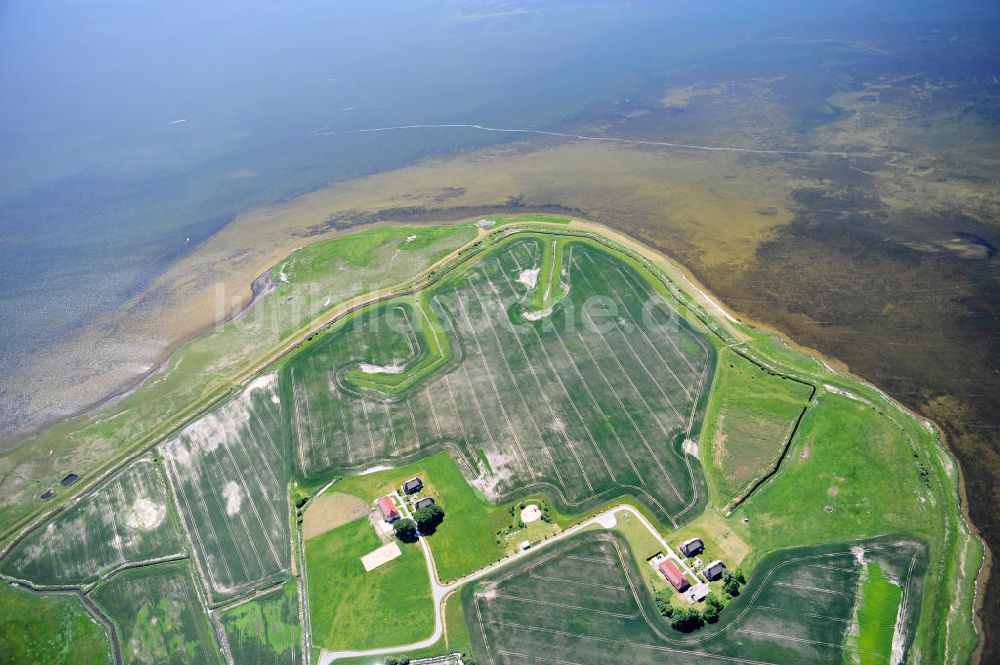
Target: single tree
[
  {"x": 406, "y": 530},
  {"x": 428, "y": 518}
]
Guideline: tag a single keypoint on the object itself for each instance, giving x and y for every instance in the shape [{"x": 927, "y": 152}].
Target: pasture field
[
  {"x": 159, "y": 617},
  {"x": 127, "y": 520},
  {"x": 265, "y": 631},
  {"x": 584, "y": 602},
  {"x": 352, "y": 609},
  {"x": 48, "y": 629},
  {"x": 230, "y": 473},
  {"x": 455, "y": 639},
  {"x": 834, "y": 484},
  {"x": 588, "y": 401},
  {"x": 750, "y": 417}
]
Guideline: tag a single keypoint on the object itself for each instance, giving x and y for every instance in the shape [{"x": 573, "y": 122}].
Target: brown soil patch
[
  {"x": 330, "y": 511},
  {"x": 719, "y": 452},
  {"x": 805, "y": 452},
  {"x": 833, "y": 491}
]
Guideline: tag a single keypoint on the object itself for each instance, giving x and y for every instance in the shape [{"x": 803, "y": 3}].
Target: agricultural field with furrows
[
  {"x": 230, "y": 471},
  {"x": 592, "y": 398},
  {"x": 548, "y": 369},
  {"x": 585, "y": 602},
  {"x": 265, "y": 630},
  {"x": 127, "y": 520},
  {"x": 158, "y": 616},
  {"x": 749, "y": 420}
]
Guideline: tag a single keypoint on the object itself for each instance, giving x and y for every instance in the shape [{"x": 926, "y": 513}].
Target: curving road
[{"x": 440, "y": 591}]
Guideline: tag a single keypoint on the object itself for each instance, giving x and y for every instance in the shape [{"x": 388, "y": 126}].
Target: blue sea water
[{"x": 131, "y": 131}]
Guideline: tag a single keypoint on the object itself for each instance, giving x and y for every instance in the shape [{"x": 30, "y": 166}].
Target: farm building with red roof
[
  {"x": 674, "y": 575},
  {"x": 388, "y": 509}
]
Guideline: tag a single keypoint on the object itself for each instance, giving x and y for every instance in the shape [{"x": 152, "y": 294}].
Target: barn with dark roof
[{"x": 691, "y": 547}]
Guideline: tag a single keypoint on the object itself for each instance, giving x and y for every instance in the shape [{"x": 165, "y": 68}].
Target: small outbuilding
[
  {"x": 388, "y": 509},
  {"x": 412, "y": 486},
  {"x": 423, "y": 503},
  {"x": 48, "y": 494},
  {"x": 674, "y": 575},
  {"x": 69, "y": 480},
  {"x": 713, "y": 571},
  {"x": 691, "y": 547}
]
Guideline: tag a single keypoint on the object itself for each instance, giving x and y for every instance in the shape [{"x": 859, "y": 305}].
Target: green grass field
[
  {"x": 158, "y": 615},
  {"x": 456, "y": 639},
  {"x": 834, "y": 485},
  {"x": 265, "y": 631},
  {"x": 880, "y": 600},
  {"x": 749, "y": 419},
  {"x": 426, "y": 334},
  {"x": 352, "y": 609},
  {"x": 50, "y": 629}
]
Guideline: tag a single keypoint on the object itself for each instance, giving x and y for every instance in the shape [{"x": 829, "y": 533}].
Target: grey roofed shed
[
  {"x": 413, "y": 485},
  {"x": 713, "y": 571},
  {"x": 692, "y": 547}
]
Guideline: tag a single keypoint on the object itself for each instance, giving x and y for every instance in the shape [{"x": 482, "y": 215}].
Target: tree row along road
[{"x": 440, "y": 591}]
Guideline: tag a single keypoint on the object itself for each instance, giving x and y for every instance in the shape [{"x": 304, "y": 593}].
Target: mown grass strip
[{"x": 880, "y": 600}]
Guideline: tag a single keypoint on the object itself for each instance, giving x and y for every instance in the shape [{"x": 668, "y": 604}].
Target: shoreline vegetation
[{"x": 453, "y": 246}]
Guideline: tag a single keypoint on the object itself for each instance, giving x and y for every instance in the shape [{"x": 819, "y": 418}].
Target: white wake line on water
[{"x": 607, "y": 139}]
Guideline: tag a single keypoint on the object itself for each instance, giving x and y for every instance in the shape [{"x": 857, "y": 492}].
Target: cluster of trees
[
  {"x": 732, "y": 581},
  {"x": 425, "y": 522},
  {"x": 687, "y": 619},
  {"x": 429, "y": 518}
]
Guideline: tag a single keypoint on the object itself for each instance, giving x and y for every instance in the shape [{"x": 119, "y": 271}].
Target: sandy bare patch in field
[
  {"x": 233, "y": 494},
  {"x": 719, "y": 451},
  {"x": 529, "y": 277},
  {"x": 145, "y": 515},
  {"x": 368, "y": 368},
  {"x": 330, "y": 511}
]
